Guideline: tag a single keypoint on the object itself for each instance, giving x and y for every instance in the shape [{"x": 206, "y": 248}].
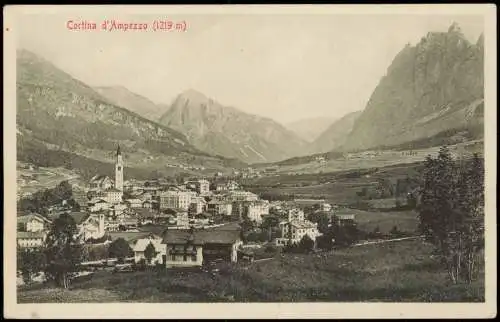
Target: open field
[
  {"x": 370, "y": 159},
  {"x": 335, "y": 187},
  {"x": 32, "y": 180},
  {"x": 406, "y": 221},
  {"x": 396, "y": 271}
]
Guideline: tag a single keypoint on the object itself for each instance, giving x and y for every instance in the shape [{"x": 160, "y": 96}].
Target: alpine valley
[{"x": 62, "y": 122}]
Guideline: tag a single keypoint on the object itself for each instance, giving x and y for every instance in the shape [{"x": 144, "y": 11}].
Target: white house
[
  {"x": 256, "y": 209},
  {"x": 325, "y": 207},
  {"x": 295, "y": 228},
  {"x": 140, "y": 248},
  {"x": 89, "y": 225},
  {"x": 100, "y": 182},
  {"x": 175, "y": 200},
  {"x": 98, "y": 204},
  {"x": 198, "y": 205},
  {"x": 32, "y": 223},
  {"x": 113, "y": 195},
  {"x": 296, "y": 214},
  {"x": 220, "y": 207},
  {"x": 240, "y": 195}
]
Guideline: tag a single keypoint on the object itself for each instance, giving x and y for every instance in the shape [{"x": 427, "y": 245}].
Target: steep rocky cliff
[
  {"x": 429, "y": 88},
  {"x": 227, "y": 131}
]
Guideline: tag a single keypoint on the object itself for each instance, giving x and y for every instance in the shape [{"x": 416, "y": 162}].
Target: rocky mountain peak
[
  {"x": 437, "y": 78},
  {"x": 225, "y": 130}
]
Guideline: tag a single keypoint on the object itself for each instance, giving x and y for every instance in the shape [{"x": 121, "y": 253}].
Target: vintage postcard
[{"x": 302, "y": 161}]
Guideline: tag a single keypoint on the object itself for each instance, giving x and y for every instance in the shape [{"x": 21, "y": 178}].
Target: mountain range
[
  {"x": 310, "y": 128},
  {"x": 59, "y": 116},
  {"x": 335, "y": 134},
  {"x": 225, "y": 130},
  {"x": 121, "y": 96},
  {"x": 432, "y": 93},
  {"x": 434, "y": 87}
]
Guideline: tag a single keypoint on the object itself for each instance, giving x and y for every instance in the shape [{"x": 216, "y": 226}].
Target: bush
[
  {"x": 140, "y": 265},
  {"x": 160, "y": 268},
  {"x": 120, "y": 249},
  {"x": 271, "y": 249}
]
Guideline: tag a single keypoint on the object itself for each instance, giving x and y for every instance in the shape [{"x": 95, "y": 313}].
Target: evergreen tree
[
  {"x": 306, "y": 244},
  {"x": 451, "y": 211},
  {"x": 120, "y": 249},
  {"x": 63, "y": 251},
  {"x": 150, "y": 252}
]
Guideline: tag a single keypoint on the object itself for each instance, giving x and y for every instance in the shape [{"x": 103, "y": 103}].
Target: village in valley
[
  {"x": 189, "y": 224},
  {"x": 368, "y": 184}
]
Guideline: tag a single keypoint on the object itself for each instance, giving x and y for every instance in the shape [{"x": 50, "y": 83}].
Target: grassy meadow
[
  {"x": 402, "y": 271},
  {"x": 340, "y": 188}
]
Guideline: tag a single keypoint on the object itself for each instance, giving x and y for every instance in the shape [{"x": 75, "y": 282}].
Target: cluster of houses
[
  {"x": 112, "y": 207},
  {"x": 185, "y": 215}
]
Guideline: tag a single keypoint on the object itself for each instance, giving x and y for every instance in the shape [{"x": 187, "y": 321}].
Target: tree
[
  {"x": 120, "y": 249},
  {"x": 395, "y": 231},
  {"x": 269, "y": 223},
  {"x": 345, "y": 234},
  {"x": 306, "y": 244},
  {"x": 322, "y": 219},
  {"x": 325, "y": 241},
  {"x": 471, "y": 208},
  {"x": 63, "y": 191},
  {"x": 150, "y": 252},
  {"x": 411, "y": 200},
  {"x": 30, "y": 262},
  {"x": 63, "y": 252},
  {"x": 451, "y": 211}
]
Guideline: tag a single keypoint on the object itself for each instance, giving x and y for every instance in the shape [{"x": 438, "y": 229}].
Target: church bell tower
[{"x": 119, "y": 170}]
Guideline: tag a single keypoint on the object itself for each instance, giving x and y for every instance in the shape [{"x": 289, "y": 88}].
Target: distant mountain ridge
[
  {"x": 121, "y": 96},
  {"x": 429, "y": 88},
  {"x": 227, "y": 131},
  {"x": 309, "y": 129},
  {"x": 64, "y": 114},
  {"x": 336, "y": 134}
]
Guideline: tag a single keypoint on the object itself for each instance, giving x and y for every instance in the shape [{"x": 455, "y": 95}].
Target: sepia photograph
[{"x": 279, "y": 155}]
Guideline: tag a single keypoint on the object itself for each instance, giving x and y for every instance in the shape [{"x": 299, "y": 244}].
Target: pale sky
[{"x": 286, "y": 67}]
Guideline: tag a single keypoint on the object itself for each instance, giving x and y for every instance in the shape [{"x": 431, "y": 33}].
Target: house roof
[
  {"x": 142, "y": 243},
  {"x": 130, "y": 237},
  {"x": 154, "y": 229},
  {"x": 99, "y": 178},
  {"x": 97, "y": 200},
  {"x": 201, "y": 237},
  {"x": 134, "y": 200},
  {"x": 302, "y": 224},
  {"x": 26, "y": 218}
]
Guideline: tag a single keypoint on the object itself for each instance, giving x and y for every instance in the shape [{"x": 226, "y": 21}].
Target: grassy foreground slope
[{"x": 391, "y": 272}]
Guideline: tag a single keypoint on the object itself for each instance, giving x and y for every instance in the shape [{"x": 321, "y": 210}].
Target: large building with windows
[
  {"x": 256, "y": 209},
  {"x": 295, "y": 228},
  {"x": 175, "y": 200}
]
